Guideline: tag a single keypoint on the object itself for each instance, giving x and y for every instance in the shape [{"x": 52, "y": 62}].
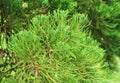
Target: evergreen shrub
[
  {"x": 55, "y": 49},
  {"x": 105, "y": 23}
]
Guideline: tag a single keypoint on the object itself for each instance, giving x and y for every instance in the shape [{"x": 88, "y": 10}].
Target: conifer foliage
[
  {"x": 58, "y": 41},
  {"x": 105, "y": 23},
  {"x": 53, "y": 52}
]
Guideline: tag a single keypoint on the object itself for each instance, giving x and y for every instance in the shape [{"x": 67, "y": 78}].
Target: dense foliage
[
  {"x": 59, "y": 41},
  {"x": 105, "y": 25}
]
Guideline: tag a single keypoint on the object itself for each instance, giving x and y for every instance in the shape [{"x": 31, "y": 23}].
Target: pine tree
[
  {"x": 104, "y": 16},
  {"x": 56, "y": 46},
  {"x": 56, "y": 50}
]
